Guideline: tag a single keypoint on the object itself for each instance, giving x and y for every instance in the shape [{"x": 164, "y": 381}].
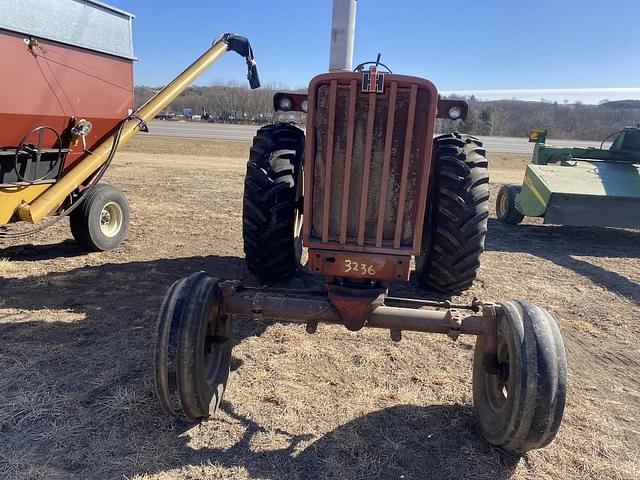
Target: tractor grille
[{"x": 367, "y": 163}]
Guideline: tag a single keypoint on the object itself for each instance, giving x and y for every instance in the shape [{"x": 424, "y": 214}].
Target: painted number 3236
[{"x": 358, "y": 267}]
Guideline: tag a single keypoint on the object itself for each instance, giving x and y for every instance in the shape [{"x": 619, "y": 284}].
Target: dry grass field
[{"x": 76, "y": 344}]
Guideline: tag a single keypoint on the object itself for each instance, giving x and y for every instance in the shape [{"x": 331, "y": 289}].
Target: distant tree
[{"x": 233, "y": 102}]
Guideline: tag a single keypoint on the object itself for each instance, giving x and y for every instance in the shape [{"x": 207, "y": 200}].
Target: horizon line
[{"x": 566, "y": 95}]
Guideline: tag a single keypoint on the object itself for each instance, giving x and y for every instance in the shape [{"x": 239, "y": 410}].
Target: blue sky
[{"x": 461, "y": 45}]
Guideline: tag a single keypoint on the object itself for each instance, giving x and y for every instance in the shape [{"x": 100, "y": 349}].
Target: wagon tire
[
  {"x": 519, "y": 402},
  {"x": 506, "y": 209},
  {"x": 272, "y": 202},
  {"x": 456, "y": 216},
  {"x": 193, "y": 349},
  {"x": 101, "y": 222}
]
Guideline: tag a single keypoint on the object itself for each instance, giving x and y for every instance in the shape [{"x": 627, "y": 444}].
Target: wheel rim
[
  {"x": 497, "y": 385},
  {"x": 111, "y": 219},
  {"x": 503, "y": 204},
  {"x": 216, "y": 350}
]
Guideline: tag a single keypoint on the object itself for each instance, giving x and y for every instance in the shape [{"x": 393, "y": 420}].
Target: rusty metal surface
[
  {"x": 52, "y": 88},
  {"x": 490, "y": 323},
  {"x": 454, "y": 319},
  {"x": 297, "y": 99},
  {"x": 386, "y": 163},
  {"x": 360, "y": 266},
  {"x": 422, "y": 320},
  {"x": 444, "y": 106},
  {"x": 404, "y": 177},
  {"x": 366, "y": 171},
  {"x": 355, "y": 304},
  {"x": 312, "y": 311},
  {"x": 328, "y": 159},
  {"x": 474, "y": 306},
  {"x": 351, "y": 115},
  {"x": 371, "y": 143}
]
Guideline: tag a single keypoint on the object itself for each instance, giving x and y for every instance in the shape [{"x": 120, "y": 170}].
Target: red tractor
[{"x": 364, "y": 190}]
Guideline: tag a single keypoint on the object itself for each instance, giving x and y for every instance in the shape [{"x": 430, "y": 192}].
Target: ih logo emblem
[{"x": 373, "y": 81}]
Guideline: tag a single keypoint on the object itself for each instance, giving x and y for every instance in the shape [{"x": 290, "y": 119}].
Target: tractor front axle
[
  {"x": 259, "y": 304},
  {"x": 519, "y": 365}
]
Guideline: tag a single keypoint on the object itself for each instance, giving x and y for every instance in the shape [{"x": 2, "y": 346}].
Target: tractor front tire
[
  {"x": 193, "y": 349},
  {"x": 101, "y": 222},
  {"x": 272, "y": 202},
  {"x": 506, "y": 209},
  {"x": 457, "y": 212},
  {"x": 520, "y": 406}
]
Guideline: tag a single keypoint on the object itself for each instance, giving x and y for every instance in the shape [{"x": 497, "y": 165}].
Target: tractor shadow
[
  {"x": 563, "y": 245},
  {"x": 403, "y": 441},
  {"x": 76, "y": 351},
  {"x": 111, "y": 297}
]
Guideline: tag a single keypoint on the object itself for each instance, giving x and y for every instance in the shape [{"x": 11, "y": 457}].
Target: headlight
[
  {"x": 284, "y": 104},
  {"x": 305, "y": 106},
  {"x": 455, "y": 113}
]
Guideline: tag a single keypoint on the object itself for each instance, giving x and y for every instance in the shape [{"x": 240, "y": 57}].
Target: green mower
[{"x": 593, "y": 187}]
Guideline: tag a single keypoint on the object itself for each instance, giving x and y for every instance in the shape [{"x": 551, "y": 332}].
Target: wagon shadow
[
  {"x": 110, "y": 297},
  {"x": 31, "y": 252},
  {"x": 563, "y": 244}
]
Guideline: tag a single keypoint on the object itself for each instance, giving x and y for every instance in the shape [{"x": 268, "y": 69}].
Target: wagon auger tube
[{"x": 35, "y": 211}]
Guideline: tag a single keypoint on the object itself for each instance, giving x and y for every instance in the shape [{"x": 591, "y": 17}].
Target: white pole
[{"x": 343, "y": 30}]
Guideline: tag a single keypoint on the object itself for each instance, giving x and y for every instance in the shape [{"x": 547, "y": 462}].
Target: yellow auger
[{"x": 53, "y": 197}]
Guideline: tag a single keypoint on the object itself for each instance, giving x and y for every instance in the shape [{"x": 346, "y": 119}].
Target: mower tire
[
  {"x": 193, "y": 349},
  {"x": 457, "y": 212},
  {"x": 520, "y": 402},
  {"x": 101, "y": 222},
  {"x": 506, "y": 209},
  {"x": 272, "y": 202}
]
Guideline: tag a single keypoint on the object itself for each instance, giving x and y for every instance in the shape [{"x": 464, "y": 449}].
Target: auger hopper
[{"x": 66, "y": 105}]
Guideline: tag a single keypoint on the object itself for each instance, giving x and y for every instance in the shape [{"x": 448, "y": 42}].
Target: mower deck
[{"x": 589, "y": 193}]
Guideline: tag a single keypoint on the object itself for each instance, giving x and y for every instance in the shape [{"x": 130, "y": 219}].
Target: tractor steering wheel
[{"x": 361, "y": 66}]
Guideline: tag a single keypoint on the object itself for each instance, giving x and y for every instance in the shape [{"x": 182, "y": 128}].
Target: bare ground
[{"x": 76, "y": 342}]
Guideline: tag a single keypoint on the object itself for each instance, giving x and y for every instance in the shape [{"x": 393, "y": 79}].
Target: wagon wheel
[
  {"x": 520, "y": 406},
  {"x": 193, "y": 348},
  {"x": 101, "y": 221},
  {"x": 506, "y": 209}
]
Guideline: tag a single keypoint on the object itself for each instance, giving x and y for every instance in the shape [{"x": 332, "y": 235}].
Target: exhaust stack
[{"x": 343, "y": 30}]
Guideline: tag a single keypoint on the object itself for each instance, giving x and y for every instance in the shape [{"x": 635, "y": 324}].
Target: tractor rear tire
[
  {"x": 456, "y": 219},
  {"x": 101, "y": 222},
  {"x": 272, "y": 202},
  {"x": 193, "y": 349},
  {"x": 506, "y": 209},
  {"x": 520, "y": 407}
]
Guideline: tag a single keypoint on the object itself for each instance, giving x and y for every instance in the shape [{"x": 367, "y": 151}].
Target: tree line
[
  {"x": 514, "y": 118},
  {"x": 233, "y": 102},
  {"x": 224, "y": 102}
]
